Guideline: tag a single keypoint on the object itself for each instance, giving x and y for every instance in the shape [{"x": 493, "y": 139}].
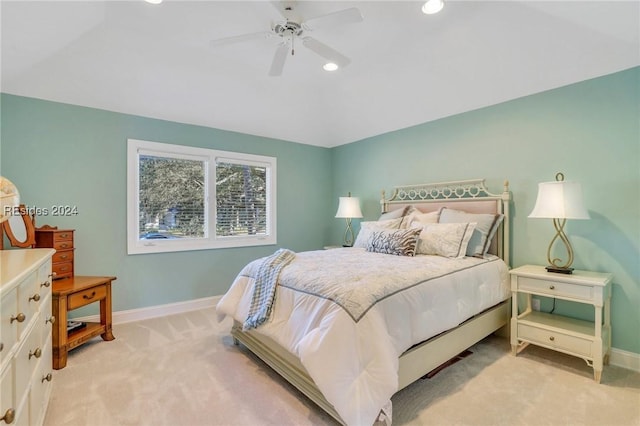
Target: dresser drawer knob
[
  {"x": 46, "y": 284},
  {"x": 64, "y": 235},
  {"x": 89, "y": 296},
  {"x": 37, "y": 353},
  {"x": 552, "y": 287},
  {"x": 552, "y": 338},
  {"x": 47, "y": 378},
  {"x": 52, "y": 275},
  {"x": 20, "y": 318},
  {"x": 9, "y": 416},
  {"x": 35, "y": 297},
  {"x": 51, "y": 319}
]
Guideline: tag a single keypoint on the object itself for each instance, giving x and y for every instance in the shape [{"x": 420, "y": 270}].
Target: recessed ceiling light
[
  {"x": 154, "y": 1},
  {"x": 330, "y": 66},
  {"x": 432, "y": 6}
]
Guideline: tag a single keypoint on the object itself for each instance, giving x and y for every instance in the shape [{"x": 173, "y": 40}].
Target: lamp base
[{"x": 559, "y": 270}]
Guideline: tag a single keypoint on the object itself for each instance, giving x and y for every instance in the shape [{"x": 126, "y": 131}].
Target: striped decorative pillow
[{"x": 401, "y": 242}]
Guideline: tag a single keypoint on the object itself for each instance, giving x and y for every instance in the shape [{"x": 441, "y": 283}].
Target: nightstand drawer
[
  {"x": 555, "y": 289},
  {"x": 85, "y": 297},
  {"x": 555, "y": 340}
]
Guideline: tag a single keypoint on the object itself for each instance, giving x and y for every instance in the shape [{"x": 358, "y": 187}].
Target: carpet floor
[{"x": 185, "y": 370}]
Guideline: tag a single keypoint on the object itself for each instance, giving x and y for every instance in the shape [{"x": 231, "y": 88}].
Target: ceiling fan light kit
[{"x": 294, "y": 28}]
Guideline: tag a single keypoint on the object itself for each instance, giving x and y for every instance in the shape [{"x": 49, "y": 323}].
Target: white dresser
[{"x": 25, "y": 335}]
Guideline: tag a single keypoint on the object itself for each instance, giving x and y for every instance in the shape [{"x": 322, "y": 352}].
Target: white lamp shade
[
  {"x": 349, "y": 207},
  {"x": 559, "y": 200},
  {"x": 9, "y": 198}
]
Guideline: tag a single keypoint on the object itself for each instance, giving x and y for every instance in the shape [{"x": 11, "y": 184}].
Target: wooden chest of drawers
[{"x": 62, "y": 241}]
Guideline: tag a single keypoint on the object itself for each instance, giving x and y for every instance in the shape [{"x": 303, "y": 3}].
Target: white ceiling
[{"x": 406, "y": 67}]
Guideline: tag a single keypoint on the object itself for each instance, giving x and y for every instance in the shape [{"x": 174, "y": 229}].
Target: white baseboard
[
  {"x": 625, "y": 359},
  {"x": 619, "y": 357},
  {"x": 121, "y": 317}
]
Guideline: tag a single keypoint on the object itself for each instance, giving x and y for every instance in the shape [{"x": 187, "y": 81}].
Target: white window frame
[{"x": 209, "y": 156}]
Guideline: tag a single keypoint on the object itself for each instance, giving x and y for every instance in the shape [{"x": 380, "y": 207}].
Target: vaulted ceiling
[{"x": 406, "y": 67}]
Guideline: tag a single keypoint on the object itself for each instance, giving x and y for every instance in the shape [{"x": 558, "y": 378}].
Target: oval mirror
[{"x": 20, "y": 229}]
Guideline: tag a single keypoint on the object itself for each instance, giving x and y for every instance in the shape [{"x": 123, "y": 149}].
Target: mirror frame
[{"x": 29, "y": 226}]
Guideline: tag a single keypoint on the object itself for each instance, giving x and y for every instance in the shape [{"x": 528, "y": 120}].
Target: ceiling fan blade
[
  {"x": 240, "y": 38},
  {"x": 346, "y": 16},
  {"x": 278, "y": 60},
  {"x": 325, "y": 51}
]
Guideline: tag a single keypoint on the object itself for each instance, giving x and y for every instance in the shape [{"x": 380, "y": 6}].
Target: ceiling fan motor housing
[{"x": 287, "y": 29}]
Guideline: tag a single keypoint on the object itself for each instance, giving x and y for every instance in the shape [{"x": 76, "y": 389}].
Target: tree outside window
[{"x": 170, "y": 189}]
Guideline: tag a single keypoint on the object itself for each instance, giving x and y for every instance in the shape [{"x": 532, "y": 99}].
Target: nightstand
[
  {"x": 589, "y": 340},
  {"x": 73, "y": 293}
]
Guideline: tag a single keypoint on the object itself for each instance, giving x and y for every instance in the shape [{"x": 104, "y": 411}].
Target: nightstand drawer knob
[
  {"x": 37, "y": 353},
  {"x": 20, "y": 318},
  {"x": 552, "y": 287},
  {"x": 552, "y": 338},
  {"x": 47, "y": 378},
  {"x": 9, "y": 416},
  {"x": 35, "y": 297}
]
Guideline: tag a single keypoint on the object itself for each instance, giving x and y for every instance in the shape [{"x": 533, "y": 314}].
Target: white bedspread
[{"x": 348, "y": 315}]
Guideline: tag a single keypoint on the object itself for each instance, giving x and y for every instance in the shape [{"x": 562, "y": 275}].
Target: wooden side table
[{"x": 72, "y": 293}]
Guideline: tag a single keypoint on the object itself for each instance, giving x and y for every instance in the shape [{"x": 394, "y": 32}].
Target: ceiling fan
[{"x": 294, "y": 28}]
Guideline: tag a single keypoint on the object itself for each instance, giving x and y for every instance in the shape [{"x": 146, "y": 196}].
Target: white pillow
[
  {"x": 445, "y": 239},
  {"x": 486, "y": 226},
  {"x": 418, "y": 218},
  {"x": 367, "y": 228},
  {"x": 393, "y": 214},
  {"x": 400, "y": 213}
]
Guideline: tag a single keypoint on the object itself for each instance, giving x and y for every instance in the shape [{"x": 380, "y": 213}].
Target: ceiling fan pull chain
[{"x": 292, "y": 50}]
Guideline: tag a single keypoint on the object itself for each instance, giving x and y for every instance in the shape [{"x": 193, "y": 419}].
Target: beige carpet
[{"x": 185, "y": 370}]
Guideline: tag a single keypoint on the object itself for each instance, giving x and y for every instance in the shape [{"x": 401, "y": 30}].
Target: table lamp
[
  {"x": 349, "y": 208},
  {"x": 559, "y": 200}
]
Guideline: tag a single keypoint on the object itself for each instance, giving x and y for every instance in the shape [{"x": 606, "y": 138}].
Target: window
[{"x": 186, "y": 198}]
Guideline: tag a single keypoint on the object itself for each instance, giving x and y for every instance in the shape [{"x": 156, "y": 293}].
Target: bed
[{"x": 350, "y": 335}]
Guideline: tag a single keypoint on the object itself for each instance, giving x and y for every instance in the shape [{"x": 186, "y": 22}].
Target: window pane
[
  {"x": 241, "y": 199},
  {"x": 172, "y": 195}
]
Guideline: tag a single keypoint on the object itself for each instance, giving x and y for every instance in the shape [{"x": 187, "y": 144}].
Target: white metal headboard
[{"x": 471, "y": 195}]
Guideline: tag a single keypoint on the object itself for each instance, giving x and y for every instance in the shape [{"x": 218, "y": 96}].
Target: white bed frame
[{"x": 468, "y": 195}]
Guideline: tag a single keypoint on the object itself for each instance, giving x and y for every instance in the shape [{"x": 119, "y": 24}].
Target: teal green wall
[
  {"x": 62, "y": 154},
  {"x": 589, "y": 131}
]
